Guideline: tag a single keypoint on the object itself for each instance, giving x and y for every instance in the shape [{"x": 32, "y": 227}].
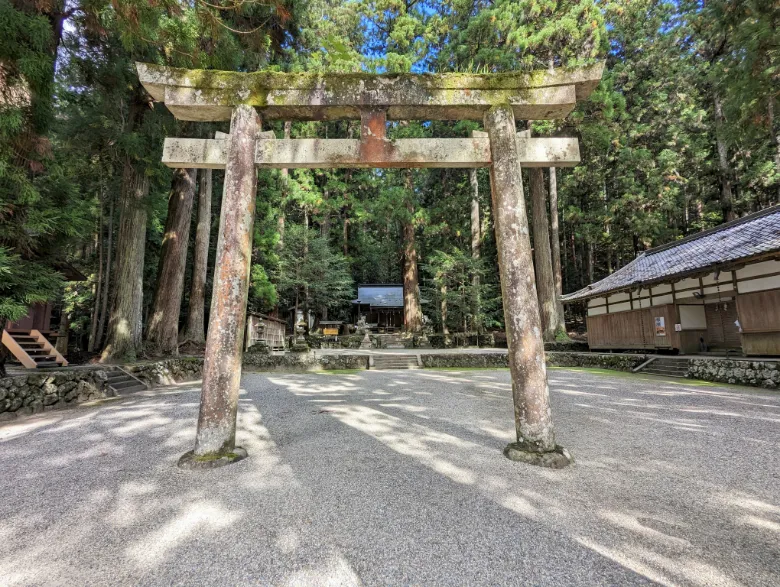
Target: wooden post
[
  {"x": 216, "y": 435},
  {"x": 533, "y": 417}
]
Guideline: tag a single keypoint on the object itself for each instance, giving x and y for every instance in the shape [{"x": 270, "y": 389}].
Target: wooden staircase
[{"x": 33, "y": 350}]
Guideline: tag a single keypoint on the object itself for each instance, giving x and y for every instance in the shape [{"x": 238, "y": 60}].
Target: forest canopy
[{"x": 681, "y": 135}]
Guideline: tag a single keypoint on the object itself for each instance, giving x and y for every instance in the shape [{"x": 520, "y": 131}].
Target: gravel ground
[{"x": 397, "y": 477}]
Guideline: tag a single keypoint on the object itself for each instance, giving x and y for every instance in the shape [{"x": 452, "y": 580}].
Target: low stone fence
[
  {"x": 22, "y": 395},
  {"x": 465, "y": 360},
  {"x": 761, "y": 373},
  {"x": 615, "y": 362},
  {"x": 557, "y": 359},
  {"x": 302, "y": 362},
  {"x": 167, "y": 371}
]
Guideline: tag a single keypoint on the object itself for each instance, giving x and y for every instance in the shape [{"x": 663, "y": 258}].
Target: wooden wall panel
[
  {"x": 759, "y": 311},
  {"x": 633, "y": 330},
  {"x": 721, "y": 327},
  {"x": 761, "y": 344}
]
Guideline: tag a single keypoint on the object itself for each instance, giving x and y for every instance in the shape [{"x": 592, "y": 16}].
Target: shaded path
[{"x": 398, "y": 478}]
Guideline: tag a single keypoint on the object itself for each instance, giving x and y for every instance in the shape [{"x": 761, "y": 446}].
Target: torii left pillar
[{"x": 215, "y": 442}]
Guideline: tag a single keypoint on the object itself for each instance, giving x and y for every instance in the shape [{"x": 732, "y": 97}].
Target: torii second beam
[{"x": 334, "y": 153}]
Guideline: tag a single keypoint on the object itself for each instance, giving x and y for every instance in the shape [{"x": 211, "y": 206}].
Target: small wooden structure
[
  {"x": 381, "y": 305},
  {"x": 38, "y": 318},
  {"x": 331, "y": 327},
  {"x": 715, "y": 290},
  {"x": 270, "y": 330},
  {"x": 28, "y": 338}
]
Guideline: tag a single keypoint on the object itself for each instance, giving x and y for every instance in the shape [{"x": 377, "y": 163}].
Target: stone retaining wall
[
  {"x": 756, "y": 373},
  {"x": 302, "y": 362},
  {"x": 167, "y": 371},
  {"x": 615, "y": 362},
  {"x": 558, "y": 359},
  {"x": 23, "y": 395},
  {"x": 465, "y": 360}
]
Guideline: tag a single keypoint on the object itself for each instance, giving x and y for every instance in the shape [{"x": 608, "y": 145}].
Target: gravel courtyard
[{"x": 397, "y": 477}]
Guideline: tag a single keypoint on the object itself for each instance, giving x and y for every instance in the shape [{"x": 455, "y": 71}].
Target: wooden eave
[{"x": 676, "y": 277}]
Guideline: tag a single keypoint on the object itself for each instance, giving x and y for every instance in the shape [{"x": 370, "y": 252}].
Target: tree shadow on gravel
[
  {"x": 389, "y": 478},
  {"x": 662, "y": 496}
]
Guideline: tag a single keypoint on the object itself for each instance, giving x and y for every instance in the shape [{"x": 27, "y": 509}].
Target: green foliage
[
  {"x": 311, "y": 275},
  {"x": 262, "y": 291},
  {"x": 450, "y": 278},
  {"x": 24, "y": 284},
  {"x": 648, "y": 137}
]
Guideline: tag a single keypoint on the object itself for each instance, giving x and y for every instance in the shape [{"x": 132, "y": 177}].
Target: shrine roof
[
  {"x": 209, "y": 95},
  {"x": 732, "y": 242},
  {"x": 381, "y": 295}
]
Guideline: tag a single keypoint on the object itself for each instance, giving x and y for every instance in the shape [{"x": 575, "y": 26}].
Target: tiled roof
[
  {"x": 381, "y": 296},
  {"x": 730, "y": 242}
]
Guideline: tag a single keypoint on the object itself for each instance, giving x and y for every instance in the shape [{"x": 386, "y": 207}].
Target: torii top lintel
[{"x": 206, "y": 95}]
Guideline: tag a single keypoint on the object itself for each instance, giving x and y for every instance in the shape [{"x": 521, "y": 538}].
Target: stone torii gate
[{"x": 247, "y": 98}]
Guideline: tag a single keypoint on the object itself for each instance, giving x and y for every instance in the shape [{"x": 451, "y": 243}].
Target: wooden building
[
  {"x": 29, "y": 339},
  {"x": 718, "y": 290},
  {"x": 260, "y": 327},
  {"x": 381, "y": 305}
]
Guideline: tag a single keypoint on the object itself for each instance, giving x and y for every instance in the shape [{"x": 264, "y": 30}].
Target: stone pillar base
[
  {"x": 192, "y": 462},
  {"x": 554, "y": 459}
]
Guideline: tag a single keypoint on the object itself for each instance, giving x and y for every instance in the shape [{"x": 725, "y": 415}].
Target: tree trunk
[
  {"x": 726, "y": 191},
  {"x": 533, "y": 416},
  {"x": 63, "y": 333},
  {"x": 443, "y": 306},
  {"x": 591, "y": 262},
  {"x": 412, "y": 316},
  {"x": 476, "y": 246},
  {"x": 285, "y": 190},
  {"x": 163, "y": 332},
  {"x": 125, "y": 323},
  {"x": 107, "y": 277},
  {"x": 555, "y": 242},
  {"x": 345, "y": 233},
  {"x": 545, "y": 281},
  {"x": 775, "y": 132},
  {"x": 554, "y": 233},
  {"x": 96, "y": 305},
  {"x": 306, "y": 307},
  {"x": 280, "y": 225},
  {"x": 196, "y": 329}
]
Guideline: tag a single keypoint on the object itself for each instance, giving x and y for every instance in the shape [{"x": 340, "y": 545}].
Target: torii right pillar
[{"x": 533, "y": 417}]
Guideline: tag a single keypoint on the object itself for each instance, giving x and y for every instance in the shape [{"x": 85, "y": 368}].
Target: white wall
[
  {"x": 693, "y": 317},
  {"x": 723, "y": 287},
  {"x": 755, "y": 269},
  {"x": 662, "y": 300},
  {"x": 596, "y": 311},
  {"x": 661, "y": 288}
]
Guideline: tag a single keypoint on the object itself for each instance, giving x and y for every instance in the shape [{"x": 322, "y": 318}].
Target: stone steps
[
  {"x": 121, "y": 382},
  {"x": 391, "y": 341},
  {"x": 667, "y": 368},
  {"x": 387, "y": 362}
]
